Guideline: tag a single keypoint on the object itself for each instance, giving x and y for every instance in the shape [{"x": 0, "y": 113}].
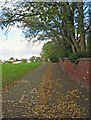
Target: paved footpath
[{"x": 46, "y": 92}]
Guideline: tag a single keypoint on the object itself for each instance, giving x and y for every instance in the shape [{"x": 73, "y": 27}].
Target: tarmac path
[{"x": 46, "y": 92}]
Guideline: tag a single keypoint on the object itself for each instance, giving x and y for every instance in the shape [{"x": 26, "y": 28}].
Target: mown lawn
[{"x": 12, "y": 72}]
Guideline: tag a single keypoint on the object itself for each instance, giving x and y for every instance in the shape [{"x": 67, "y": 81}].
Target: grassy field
[{"x": 12, "y": 72}]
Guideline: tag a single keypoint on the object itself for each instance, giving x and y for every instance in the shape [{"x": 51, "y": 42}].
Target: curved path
[{"x": 46, "y": 92}]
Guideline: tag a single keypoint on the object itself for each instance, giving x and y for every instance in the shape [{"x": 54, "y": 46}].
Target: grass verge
[{"x": 12, "y": 72}]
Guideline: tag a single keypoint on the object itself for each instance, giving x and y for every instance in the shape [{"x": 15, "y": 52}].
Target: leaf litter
[{"x": 52, "y": 104}]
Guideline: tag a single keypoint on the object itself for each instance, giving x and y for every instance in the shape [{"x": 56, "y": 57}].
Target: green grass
[{"x": 12, "y": 72}]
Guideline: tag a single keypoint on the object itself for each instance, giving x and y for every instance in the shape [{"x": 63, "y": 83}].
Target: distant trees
[
  {"x": 16, "y": 59},
  {"x": 39, "y": 59},
  {"x": 11, "y": 58},
  {"x": 0, "y": 61},
  {"x": 24, "y": 60},
  {"x": 35, "y": 59}
]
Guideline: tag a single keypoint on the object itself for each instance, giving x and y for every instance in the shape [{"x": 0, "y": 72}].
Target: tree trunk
[
  {"x": 81, "y": 27},
  {"x": 73, "y": 49},
  {"x": 71, "y": 28},
  {"x": 89, "y": 33},
  {"x": 74, "y": 42}
]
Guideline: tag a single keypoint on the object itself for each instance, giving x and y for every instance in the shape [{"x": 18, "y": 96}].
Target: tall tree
[
  {"x": 49, "y": 20},
  {"x": 81, "y": 27},
  {"x": 89, "y": 31}
]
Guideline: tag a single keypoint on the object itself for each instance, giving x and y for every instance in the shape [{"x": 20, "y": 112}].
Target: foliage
[
  {"x": 66, "y": 24},
  {"x": 12, "y": 72},
  {"x": 54, "y": 51},
  {"x": 49, "y": 51},
  {"x": 38, "y": 59},
  {"x": 74, "y": 56},
  {"x": 54, "y": 58},
  {"x": 24, "y": 60},
  {"x": 11, "y": 58},
  {"x": 50, "y": 20},
  {"x": 33, "y": 58}
]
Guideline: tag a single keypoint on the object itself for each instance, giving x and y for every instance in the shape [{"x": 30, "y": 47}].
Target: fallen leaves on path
[
  {"x": 49, "y": 101},
  {"x": 52, "y": 103}
]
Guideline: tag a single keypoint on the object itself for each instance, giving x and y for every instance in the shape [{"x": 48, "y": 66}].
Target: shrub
[
  {"x": 74, "y": 56},
  {"x": 54, "y": 59}
]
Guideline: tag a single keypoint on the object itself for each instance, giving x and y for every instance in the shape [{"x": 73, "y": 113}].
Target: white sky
[{"x": 16, "y": 46}]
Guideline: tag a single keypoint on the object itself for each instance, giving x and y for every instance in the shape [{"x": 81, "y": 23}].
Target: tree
[
  {"x": 38, "y": 59},
  {"x": 50, "y": 20},
  {"x": 33, "y": 59},
  {"x": 89, "y": 31},
  {"x": 54, "y": 51},
  {"x": 11, "y": 58},
  {"x": 16, "y": 59},
  {"x": 24, "y": 60}
]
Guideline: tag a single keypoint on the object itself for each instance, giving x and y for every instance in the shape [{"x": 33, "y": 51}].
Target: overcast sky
[{"x": 16, "y": 46}]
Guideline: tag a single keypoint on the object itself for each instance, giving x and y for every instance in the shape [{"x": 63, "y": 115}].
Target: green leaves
[{"x": 53, "y": 19}]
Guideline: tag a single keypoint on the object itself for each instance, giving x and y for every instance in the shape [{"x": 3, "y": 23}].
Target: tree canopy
[
  {"x": 53, "y": 51},
  {"x": 57, "y": 21}
]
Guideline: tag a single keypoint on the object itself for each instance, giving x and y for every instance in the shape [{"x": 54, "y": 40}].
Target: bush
[
  {"x": 54, "y": 59},
  {"x": 74, "y": 56}
]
